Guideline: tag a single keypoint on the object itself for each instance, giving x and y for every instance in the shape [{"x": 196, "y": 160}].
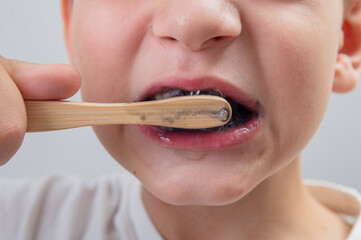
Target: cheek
[
  {"x": 107, "y": 36},
  {"x": 298, "y": 73}
]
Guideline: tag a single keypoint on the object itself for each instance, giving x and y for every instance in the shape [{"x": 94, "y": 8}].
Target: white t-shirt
[{"x": 69, "y": 208}]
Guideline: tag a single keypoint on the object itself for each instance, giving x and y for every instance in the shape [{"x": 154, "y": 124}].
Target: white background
[{"x": 32, "y": 31}]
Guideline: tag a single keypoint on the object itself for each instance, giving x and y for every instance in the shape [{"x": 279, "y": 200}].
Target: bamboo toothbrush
[{"x": 189, "y": 112}]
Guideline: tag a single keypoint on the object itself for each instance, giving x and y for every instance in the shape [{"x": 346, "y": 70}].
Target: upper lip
[{"x": 202, "y": 83}]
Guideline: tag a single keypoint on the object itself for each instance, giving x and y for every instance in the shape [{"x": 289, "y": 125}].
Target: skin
[
  {"x": 290, "y": 75},
  {"x": 256, "y": 190}
]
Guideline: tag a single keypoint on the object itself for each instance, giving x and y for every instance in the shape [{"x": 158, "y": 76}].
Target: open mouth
[
  {"x": 241, "y": 114},
  {"x": 244, "y": 126}
]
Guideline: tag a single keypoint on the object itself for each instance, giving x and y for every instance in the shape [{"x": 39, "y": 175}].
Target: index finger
[{"x": 43, "y": 81}]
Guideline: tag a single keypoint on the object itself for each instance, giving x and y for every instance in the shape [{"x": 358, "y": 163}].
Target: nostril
[
  {"x": 216, "y": 41},
  {"x": 172, "y": 39}
]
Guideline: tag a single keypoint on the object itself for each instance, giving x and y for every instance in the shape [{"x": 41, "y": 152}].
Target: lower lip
[{"x": 204, "y": 140}]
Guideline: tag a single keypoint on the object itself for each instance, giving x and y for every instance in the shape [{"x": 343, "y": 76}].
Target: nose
[{"x": 197, "y": 24}]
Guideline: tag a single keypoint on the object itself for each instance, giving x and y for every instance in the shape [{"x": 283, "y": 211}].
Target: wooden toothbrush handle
[{"x": 180, "y": 112}]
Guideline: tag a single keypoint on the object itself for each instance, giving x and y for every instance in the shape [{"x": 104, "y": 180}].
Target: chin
[{"x": 198, "y": 194}]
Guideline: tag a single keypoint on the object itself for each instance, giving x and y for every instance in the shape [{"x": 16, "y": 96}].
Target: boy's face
[{"x": 275, "y": 57}]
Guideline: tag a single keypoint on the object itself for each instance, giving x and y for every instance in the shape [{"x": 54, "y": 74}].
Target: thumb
[{"x": 43, "y": 81}]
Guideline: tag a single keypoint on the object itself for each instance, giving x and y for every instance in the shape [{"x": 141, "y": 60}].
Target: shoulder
[{"x": 342, "y": 200}]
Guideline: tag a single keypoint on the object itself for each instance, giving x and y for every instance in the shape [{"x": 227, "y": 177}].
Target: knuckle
[
  {"x": 13, "y": 130},
  {"x": 3, "y": 61},
  {"x": 11, "y": 137},
  {"x": 7, "y": 64}
]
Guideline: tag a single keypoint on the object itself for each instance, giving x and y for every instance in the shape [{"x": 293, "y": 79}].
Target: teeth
[
  {"x": 169, "y": 93},
  {"x": 195, "y": 93},
  {"x": 212, "y": 92}
]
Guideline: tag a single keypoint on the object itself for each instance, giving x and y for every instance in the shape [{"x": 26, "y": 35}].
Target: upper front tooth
[
  {"x": 169, "y": 93},
  {"x": 198, "y": 92},
  {"x": 213, "y": 92}
]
